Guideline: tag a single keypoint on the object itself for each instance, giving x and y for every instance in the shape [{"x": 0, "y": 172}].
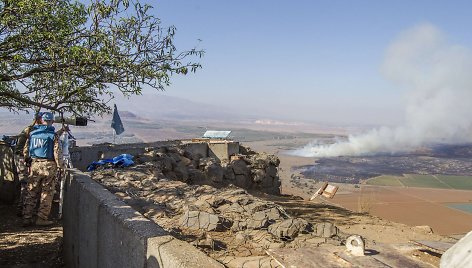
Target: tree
[{"x": 69, "y": 57}]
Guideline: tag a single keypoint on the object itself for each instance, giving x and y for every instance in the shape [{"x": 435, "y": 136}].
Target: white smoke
[{"x": 438, "y": 76}]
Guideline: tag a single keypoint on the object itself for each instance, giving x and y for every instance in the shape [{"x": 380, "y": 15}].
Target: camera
[{"x": 75, "y": 121}]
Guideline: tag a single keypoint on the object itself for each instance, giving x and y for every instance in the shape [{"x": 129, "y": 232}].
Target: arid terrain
[
  {"x": 382, "y": 214},
  {"x": 431, "y": 205},
  {"x": 28, "y": 247}
]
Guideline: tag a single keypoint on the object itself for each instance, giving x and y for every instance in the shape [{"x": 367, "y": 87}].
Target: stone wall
[
  {"x": 84, "y": 155},
  {"x": 216, "y": 164},
  {"x": 244, "y": 168},
  {"x": 9, "y": 185}
]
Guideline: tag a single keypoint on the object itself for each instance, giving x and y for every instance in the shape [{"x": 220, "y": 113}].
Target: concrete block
[
  {"x": 233, "y": 148},
  {"x": 195, "y": 148},
  {"x": 222, "y": 150},
  {"x": 88, "y": 227},
  {"x": 167, "y": 251},
  {"x": 118, "y": 245},
  {"x": 70, "y": 222}
]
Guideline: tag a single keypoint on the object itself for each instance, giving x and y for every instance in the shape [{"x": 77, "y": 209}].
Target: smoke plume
[{"x": 438, "y": 78}]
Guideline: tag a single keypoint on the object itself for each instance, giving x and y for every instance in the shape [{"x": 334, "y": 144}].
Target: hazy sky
[{"x": 303, "y": 60}]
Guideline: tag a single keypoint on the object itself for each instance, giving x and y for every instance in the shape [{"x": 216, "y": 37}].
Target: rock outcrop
[
  {"x": 227, "y": 223},
  {"x": 248, "y": 170}
]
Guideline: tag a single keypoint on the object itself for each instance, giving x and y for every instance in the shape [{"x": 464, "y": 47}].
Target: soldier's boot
[
  {"x": 27, "y": 222},
  {"x": 43, "y": 222}
]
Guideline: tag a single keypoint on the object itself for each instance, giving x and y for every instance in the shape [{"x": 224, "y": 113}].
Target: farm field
[
  {"x": 385, "y": 180},
  {"x": 457, "y": 182},
  {"x": 424, "y": 181},
  {"x": 413, "y": 206},
  {"x": 467, "y": 207}
]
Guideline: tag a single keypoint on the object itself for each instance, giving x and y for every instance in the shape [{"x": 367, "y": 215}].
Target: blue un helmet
[{"x": 47, "y": 116}]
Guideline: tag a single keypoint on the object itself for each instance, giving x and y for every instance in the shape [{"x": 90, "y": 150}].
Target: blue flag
[{"x": 116, "y": 123}]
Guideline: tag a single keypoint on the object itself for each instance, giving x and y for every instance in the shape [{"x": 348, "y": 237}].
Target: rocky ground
[
  {"x": 228, "y": 223},
  {"x": 236, "y": 227},
  {"x": 28, "y": 247}
]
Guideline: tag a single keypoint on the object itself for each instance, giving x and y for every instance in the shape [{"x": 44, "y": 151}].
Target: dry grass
[{"x": 365, "y": 201}]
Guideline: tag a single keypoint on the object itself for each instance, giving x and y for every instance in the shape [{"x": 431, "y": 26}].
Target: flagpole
[{"x": 116, "y": 124}]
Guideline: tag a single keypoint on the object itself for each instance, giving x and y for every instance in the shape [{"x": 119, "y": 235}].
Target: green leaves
[{"x": 65, "y": 56}]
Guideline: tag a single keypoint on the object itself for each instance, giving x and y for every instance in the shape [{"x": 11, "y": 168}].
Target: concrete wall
[
  {"x": 102, "y": 231},
  {"x": 222, "y": 150},
  {"x": 195, "y": 148}
]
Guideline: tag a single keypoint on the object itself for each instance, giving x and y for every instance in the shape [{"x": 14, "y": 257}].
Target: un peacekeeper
[
  {"x": 22, "y": 163},
  {"x": 43, "y": 146}
]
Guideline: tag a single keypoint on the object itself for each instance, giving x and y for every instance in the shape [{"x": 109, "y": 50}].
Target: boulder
[
  {"x": 258, "y": 163},
  {"x": 288, "y": 229},
  {"x": 249, "y": 262},
  {"x": 196, "y": 175},
  {"x": 181, "y": 171},
  {"x": 141, "y": 159},
  {"x": 166, "y": 163},
  {"x": 242, "y": 181},
  {"x": 229, "y": 174},
  {"x": 185, "y": 161},
  {"x": 245, "y": 150},
  {"x": 263, "y": 160},
  {"x": 271, "y": 170},
  {"x": 177, "y": 157},
  {"x": 258, "y": 221},
  {"x": 214, "y": 172},
  {"x": 258, "y": 175},
  {"x": 162, "y": 149},
  {"x": 240, "y": 167},
  {"x": 325, "y": 229},
  {"x": 424, "y": 229},
  {"x": 204, "y": 221},
  {"x": 206, "y": 161},
  {"x": 268, "y": 182},
  {"x": 264, "y": 218}
]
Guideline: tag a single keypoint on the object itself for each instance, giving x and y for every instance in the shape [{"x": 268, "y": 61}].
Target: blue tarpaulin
[{"x": 124, "y": 160}]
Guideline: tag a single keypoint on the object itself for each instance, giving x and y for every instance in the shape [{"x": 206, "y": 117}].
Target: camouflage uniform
[
  {"x": 42, "y": 181},
  {"x": 21, "y": 165},
  {"x": 22, "y": 171}
]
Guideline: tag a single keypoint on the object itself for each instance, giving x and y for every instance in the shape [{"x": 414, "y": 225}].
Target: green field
[
  {"x": 457, "y": 182},
  {"x": 424, "y": 181},
  {"x": 385, "y": 180},
  {"x": 467, "y": 207}
]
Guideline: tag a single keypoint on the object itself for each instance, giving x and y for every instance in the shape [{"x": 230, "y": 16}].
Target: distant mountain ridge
[{"x": 153, "y": 106}]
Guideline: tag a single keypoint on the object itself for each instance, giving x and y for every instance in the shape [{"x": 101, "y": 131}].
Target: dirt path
[{"x": 28, "y": 247}]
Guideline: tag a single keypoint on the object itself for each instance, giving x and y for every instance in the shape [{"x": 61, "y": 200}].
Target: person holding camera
[{"x": 44, "y": 149}]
